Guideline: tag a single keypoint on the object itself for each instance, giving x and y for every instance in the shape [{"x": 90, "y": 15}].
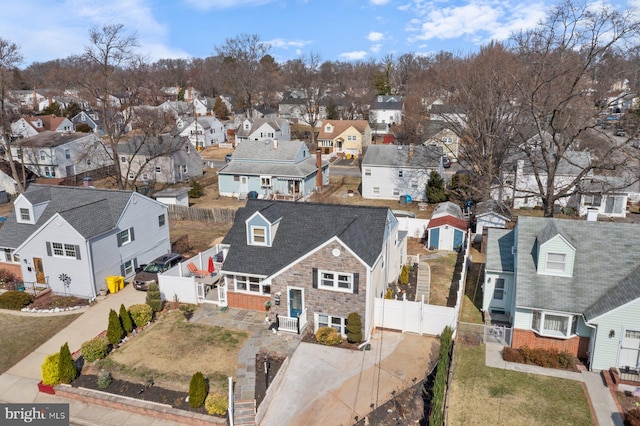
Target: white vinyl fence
[{"x": 418, "y": 317}]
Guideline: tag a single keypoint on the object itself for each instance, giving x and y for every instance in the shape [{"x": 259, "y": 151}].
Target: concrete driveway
[{"x": 330, "y": 386}]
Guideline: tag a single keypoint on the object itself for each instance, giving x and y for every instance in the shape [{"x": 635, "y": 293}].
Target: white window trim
[
  {"x": 253, "y": 241},
  {"x": 552, "y": 333},
  {"x": 556, "y": 270},
  {"x": 247, "y": 280},
  {"x": 343, "y": 322},
  {"x": 266, "y": 181},
  {"x": 122, "y": 234},
  {"x": 128, "y": 270},
  {"x": 335, "y": 281},
  {"x": 65, "y": 249}
]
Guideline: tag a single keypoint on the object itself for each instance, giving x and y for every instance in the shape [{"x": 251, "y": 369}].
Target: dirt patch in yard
[{"x": 263, "y": 381}]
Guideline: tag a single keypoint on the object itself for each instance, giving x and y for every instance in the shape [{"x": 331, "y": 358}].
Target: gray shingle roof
[
  {"x": 265, "y": 150},
  {"x": 49, "y": 138},
  {"x": 605, "y": 273},
  {"x": 90, "y": 211},
  {"x": 153, "y": 146},
  {"x": 413, "y": 156},
  {"x": 492, "y": 206},
  {"x": 499, "y": 244},
  {"x": 302, "y": 228}
]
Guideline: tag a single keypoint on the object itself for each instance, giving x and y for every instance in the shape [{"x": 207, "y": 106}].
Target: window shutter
[
  {"x": 132, "y": 236},
  {"x": 356, "y": 281},
  {"x": 119, "y": 239},
  {"x": 135, "y": 263},
  {"x": 122, "y": 270},
  {"x": 48, "y": 248},
  {"x": 77, "y": 252},
  {"x": 314, "y": 278}
]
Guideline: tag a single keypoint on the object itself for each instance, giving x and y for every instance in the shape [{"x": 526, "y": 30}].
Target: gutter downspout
[
  {"x": 91, "y": 270},
  {"x": 591, "y": 344}
]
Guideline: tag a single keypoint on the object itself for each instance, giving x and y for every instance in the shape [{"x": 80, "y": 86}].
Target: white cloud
[
  {"x": 375, "y": 48},
  {"x": 379, "y": 2},
  {"x": 224, "y": 4},
  {"x": 478, "y": 21},
  {"x": 281, "y": 43},
  {"x": 374, "y": 36},
  {"x": 354, "y": 56}
]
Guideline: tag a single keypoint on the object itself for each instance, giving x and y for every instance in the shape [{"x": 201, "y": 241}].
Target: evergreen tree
[
  {"x": 125, "y": 319},
  {"x": 435, "y": 188},
  {"x": 66, "y": 365},
  {"x": 354, "y": 328},
  {"x": 197, "y": 390},
  {"x": 220, "y": 109},
  {"x": 154, "y": 298},
  {"x": 114, "y": 329}
]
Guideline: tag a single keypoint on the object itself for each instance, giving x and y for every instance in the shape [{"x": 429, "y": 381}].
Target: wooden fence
[{"x": 215, "y": 215}]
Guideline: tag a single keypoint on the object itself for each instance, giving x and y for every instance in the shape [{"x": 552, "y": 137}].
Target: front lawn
[
  {"x": 493, "y": 396},
  {"x": 23, "y": 334},
  {"x": 171, "y": 350}
]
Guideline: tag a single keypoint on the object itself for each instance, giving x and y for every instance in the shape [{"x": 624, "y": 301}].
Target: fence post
[{"x": 231, "y": 401}]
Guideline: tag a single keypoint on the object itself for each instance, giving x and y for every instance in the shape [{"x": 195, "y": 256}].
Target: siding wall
[
  {"x": 386, "y": 179},
  {"x": 556, "y": 245},
  {"x": 489, "y": 286},
  {"x": 606, "y": 348}
]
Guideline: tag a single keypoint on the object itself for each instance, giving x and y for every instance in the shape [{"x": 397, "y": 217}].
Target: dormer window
[
  {"x": 556, "y": 262},
  {"x": 258, "y": 235},
  {"x": 25, "y": 215},
  {"x": 555, "y": 252}
]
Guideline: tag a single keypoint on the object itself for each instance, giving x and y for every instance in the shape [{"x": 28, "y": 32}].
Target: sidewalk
[
  {"x": 19, "y": 383},
  {"x": 600, "y": 396}
]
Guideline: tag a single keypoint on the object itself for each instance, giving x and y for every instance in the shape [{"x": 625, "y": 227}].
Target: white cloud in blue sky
[{"x": 336, "y": 29}]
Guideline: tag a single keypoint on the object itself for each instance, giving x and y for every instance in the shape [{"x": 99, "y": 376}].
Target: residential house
[
  {"x": 313, "y": 274},
  {"x": 345, "y": 138},
  {"x": 439, "y": 133},
  {"x": 23, "y": 128},
  {"x": 71, "y": 238},
  {"x": 273, "y": 169},
  {"x": 204, "y": 131},
  {"x": 384, "y": 112},
  {"x": 389, "y": 171},
  {"x": 549, "y": 279},
  {"x": 173, "y": 196},
  {"x": 91, "y": 119},
  {"x": 490, "y": 214},
  {"x": 7, "y": 183},
  {"x": 42, "y": 123},
  {"x": 604, "y": 195},
  {"x": 260, "y": 129},
  {"x": 447, "y": 227},
  {"x": 30, "y": 99},
  {"x": 164, "y": 158},
  {"x": 55, "y": 154}
]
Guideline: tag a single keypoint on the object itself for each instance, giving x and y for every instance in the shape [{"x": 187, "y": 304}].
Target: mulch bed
[
  {"x": 262, "y": 382},
  {"x": 139, "y": 391}
]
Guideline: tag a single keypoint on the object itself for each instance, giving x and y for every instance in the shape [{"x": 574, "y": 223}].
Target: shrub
[
  {"x": 96, "y": 348},
  {"x": 196, "y": 190},
  {"x": 154, "y": 299},
  {"x": 436, "y": 417},
  {"x": 354, "y": 328},
  {"x": 404, "y": 275},
  {"x": 549, "y": 358},
  {"x": 328, "y": 336},
  {"x": 51, "y": 369},
  {"x": 566, "y": 360},
  {"x": 114, "y": 329},
  {"x": 141, "y": 314},
  {"x": 435, "y": 190},
  {"x": 104, "y": 380},
  {"x": 125, "y": 319},
  {"x": 197, "y": 390},
  {"x": 15, "y": 300},
  {"x": 217, "y": 403},
  {"x": 67, "y": 366},
  {"x": 388, "y": 294},
  {"x": 512, "y": 355}
]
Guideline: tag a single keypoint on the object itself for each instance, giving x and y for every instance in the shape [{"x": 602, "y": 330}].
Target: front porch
[{"x": 292, "y": 324}]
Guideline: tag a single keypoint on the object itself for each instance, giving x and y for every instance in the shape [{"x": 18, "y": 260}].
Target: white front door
[
  {"x": 244, "y": 187},
  {"x": 629, "y": 349},
  {"x": 499, "y": 295}
]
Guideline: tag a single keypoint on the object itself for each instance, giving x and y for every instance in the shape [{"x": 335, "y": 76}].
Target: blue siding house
[{"x": 279, "y": 170}]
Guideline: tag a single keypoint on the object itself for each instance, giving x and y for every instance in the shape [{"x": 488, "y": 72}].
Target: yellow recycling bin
[{"x": 115, "y": 283}]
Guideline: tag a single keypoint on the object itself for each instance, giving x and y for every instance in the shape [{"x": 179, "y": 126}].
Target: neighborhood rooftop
[{"x": 417, "y": 156}]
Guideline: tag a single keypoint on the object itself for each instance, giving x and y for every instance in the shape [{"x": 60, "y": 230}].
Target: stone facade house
[{"x": 312, "y": 273}]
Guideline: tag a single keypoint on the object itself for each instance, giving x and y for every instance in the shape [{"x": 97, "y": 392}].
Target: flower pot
[{"x": 46, "y": 388}]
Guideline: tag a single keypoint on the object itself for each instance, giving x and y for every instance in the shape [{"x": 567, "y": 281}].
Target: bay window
[{"x": 554, "y": 324}]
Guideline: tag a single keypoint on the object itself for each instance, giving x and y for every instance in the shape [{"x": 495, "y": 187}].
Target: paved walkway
[
  {"x": 20, "y": 383},
  {"x": 423, "y": 285},
  {"x": 600, "y": 396}
]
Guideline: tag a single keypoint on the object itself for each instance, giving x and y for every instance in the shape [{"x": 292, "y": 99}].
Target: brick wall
[
  {"x": 577, "y": 345},
  {"x": 246, "y": 301},
  {"x": 318, "y": 300}
]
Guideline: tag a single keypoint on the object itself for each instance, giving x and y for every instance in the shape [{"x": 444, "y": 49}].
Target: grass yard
[
  {"x": 172, "y": 350},
  {"x": 482, "y": 395},
  {"x": 442, "y": 274},
  {"x": 472, "y": 300},
  {"x": 21, "y": 335}
]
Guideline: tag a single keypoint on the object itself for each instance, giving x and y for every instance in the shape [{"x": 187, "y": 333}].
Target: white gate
[
  {"x": 497, "y": 334},
  {"x": 200, "y": 292},
  {"x": 222, "y": 293}
]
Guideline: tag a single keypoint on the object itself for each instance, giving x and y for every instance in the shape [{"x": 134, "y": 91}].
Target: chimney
[
  {"x": 275, "y": 144},
  {"x": 592, "y": 215},
  {"x": 87, "y": 182},
  {"x": 319, "y": 167}
]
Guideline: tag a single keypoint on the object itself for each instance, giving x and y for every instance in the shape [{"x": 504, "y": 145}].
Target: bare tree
[
  {"x": 307, "y": 76},
  {"x": 110, "y": 61},
  {"x": 10, "y": 57},
  {"x": 563, "y": 82},
  {"x": 242, "y": 55}
]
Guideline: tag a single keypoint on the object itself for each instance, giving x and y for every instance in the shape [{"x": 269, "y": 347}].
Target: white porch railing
[{"x": 292, "y": 324}]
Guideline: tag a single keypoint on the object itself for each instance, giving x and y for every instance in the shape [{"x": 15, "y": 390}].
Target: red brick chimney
[{"x": 319, "y": 167}]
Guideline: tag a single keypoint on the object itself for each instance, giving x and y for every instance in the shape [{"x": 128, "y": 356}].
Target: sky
[{"x": 337, "y": 30}]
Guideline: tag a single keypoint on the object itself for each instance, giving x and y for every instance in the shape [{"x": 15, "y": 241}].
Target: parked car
[
  {"x": 620, "y": 132},
  {"x": 446, "y": 162},
  {"x": 149, "y": 273}
]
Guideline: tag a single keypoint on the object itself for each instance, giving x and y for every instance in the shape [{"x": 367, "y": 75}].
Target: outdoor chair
[{"x": 195, "y": 271}]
